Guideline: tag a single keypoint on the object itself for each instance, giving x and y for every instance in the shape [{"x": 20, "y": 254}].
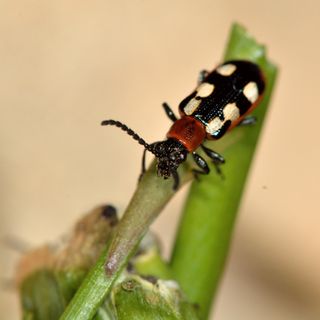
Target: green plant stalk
[
  {"x": 205, "y": 230},
  {"x": 152, "y": 194},
  {"x": 91, "y": 294}
]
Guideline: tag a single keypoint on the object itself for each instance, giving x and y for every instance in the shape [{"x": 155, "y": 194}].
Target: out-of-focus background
[{"x": 67, "y": 65}]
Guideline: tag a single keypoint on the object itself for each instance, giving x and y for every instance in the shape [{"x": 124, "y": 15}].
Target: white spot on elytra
[
  {"x": 251, "y": 92},
  {"x": 226, "y": 69},
  {"x": 214, "y": 125},
  {"x": 231, "y": 112},
  {"x": 205, "y": 89},
  {"x": 191, "y": 106}
]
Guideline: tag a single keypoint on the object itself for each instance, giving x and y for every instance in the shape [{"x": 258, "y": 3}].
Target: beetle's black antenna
[{"x": 129, "y": 131}]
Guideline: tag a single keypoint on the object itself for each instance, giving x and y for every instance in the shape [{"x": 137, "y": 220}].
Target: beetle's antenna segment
[{"x": 129, "y": 131}]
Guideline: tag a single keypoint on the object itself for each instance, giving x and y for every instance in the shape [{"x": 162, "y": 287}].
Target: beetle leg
[
  {"x": 202, "y": 75},
  {"x": 201, "y": 163},
  {"x": 213, "y": 155},
  {"x": 216, "y": 158},
  {"x": 169, "y": 112},
  {"x": 176, "y": 180},
  {"x": 143, "y": 162},
  {"x": 247, "y": 121},
  {"x": 143, "y": 167}
]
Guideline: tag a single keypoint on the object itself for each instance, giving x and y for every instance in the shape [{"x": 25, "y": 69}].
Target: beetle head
[{"x": 170, "y": 154}]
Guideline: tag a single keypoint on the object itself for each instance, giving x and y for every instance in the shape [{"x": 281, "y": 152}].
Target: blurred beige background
[{"x": 66, "y": 65}]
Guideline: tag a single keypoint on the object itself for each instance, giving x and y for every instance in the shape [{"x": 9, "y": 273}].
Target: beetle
[{"x": 221, "y": 101}]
